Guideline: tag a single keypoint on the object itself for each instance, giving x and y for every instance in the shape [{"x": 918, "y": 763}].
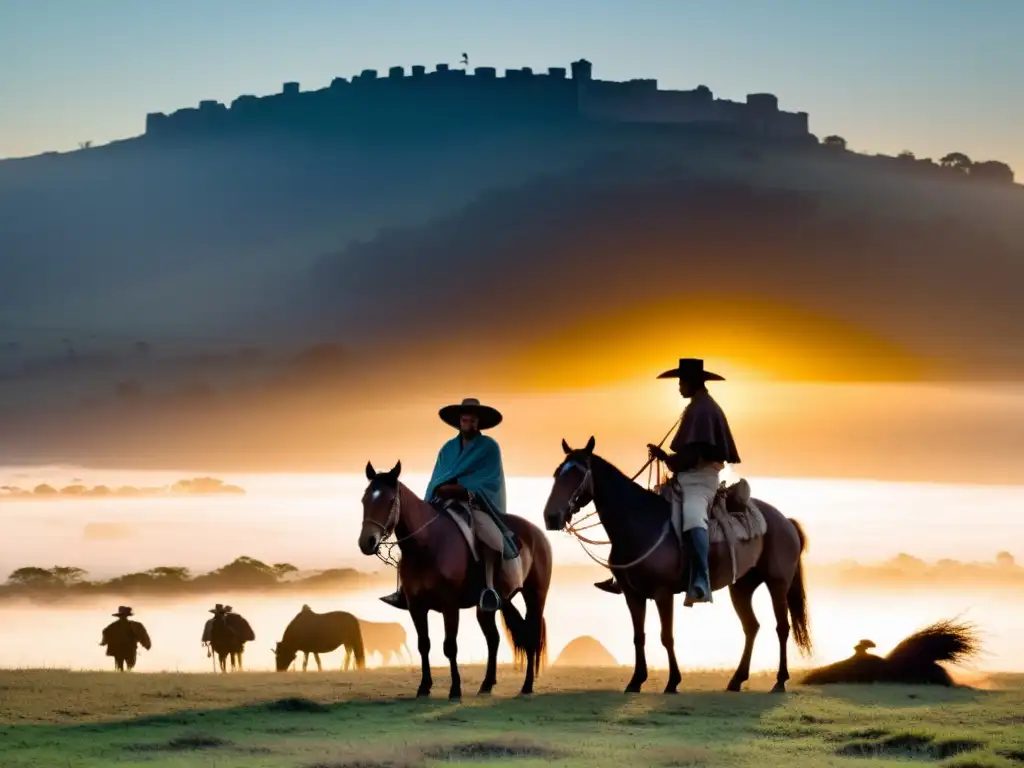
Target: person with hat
[
  {"x": 701, "y": 448},
  {"x": 469, "y": 473},
  {"x": 123, "y": 637}
]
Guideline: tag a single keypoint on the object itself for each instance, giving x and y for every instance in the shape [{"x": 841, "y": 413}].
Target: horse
[
  {"x": 227, "y": 633},
  {"x": 386, "y": 638},
  {"x": 652, "y": 568},
  {"x": 438, "y": 573},
  {"x": 122, "y": 639},
  {"x": 316, "y": 633},
  {"x": 914, "y": 660}
]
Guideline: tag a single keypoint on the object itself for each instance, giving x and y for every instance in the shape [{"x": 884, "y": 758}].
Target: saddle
[{"x": 461, "y": 513}]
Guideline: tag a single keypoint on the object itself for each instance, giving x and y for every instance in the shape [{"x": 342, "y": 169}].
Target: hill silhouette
[{"x": 319, "y": 272}]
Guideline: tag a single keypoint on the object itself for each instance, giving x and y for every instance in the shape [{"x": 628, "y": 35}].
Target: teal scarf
[{"x": 478, "y": 469}]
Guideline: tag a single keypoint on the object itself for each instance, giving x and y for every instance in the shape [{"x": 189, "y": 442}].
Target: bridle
[
  {"x": 586, "y": 486},
  {"x": 388, "y": 528}
]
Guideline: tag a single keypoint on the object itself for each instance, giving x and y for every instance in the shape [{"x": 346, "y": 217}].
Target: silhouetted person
[
  {"x": 123, "y": 638},
  {"x": 227, "y": 633},
  {"x": 701, "y": 448}
]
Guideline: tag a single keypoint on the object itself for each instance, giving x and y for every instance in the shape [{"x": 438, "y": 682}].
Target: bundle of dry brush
[{"x": 914, "y": 661}]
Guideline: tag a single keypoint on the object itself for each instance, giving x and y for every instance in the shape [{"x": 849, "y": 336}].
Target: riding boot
[
  {"x": 490, "y": 600},
  {"x": 609, "y": 585},
  {"x": 697, "y": 546},
  {"x": 396, "y": 600}
]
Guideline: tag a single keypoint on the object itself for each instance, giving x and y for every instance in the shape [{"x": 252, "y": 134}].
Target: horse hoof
[
  {"x": 525, "y": 692},
  {"x": 632, "y": 688},
  {"x": 422, "y": 693},
  {"x": 779, "y": 688},
  {"x": 734, "y": 686},
  {"x": 671, "y": 689},
  {"x": 455, "y": 698}
]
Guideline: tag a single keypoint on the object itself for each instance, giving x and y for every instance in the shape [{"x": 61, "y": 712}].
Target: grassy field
[{"x": 578, "y": 718}]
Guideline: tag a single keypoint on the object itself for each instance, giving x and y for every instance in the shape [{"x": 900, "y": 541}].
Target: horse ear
[
  {"x": 397, "y": 469},
  {"x": 565, "y": 447},
  {"x": 590, "y": 445},
  {"x": 371, "y": 474}
]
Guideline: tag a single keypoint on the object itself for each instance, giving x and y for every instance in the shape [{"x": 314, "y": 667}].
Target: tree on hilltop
[
  {"x": 957, "y": 161},
  {"x": 992, "y": 170},
  {"x": 835, "y": 142}
]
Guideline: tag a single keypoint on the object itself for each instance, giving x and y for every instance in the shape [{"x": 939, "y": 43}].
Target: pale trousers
[
  {"x": 693, "y": 493},
  {"x": 489, "y": 535}
]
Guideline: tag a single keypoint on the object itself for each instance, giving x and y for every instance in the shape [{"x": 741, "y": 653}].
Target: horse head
[
  {"x": 573, "y": 488},
  {"x": 283, "y": 657},
  {"x": 381, "y": 507}
]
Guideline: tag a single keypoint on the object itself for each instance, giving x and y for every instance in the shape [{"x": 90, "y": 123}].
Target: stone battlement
[{"x": 449, "y": 95}]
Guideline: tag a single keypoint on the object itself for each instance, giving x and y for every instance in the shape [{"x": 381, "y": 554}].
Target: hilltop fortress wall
[{"x": 453, "y": 97}]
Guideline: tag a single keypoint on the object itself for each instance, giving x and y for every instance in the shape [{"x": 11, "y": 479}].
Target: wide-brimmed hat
[
  {"x": 123, "y": 610},
  {"x": 691, "y": 369},
  {"x": 218, "y": 608},
  {"x": 863, "y": 645},
  {"x": 489, "y": 417}
]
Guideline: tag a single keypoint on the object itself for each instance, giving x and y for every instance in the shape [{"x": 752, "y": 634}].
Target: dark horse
[
  {"x": 316, "y": 633},
  {"x": 227, "y": 633},
  {"x": 438, "y": 573},
  {"x": 653, "y": 568}
]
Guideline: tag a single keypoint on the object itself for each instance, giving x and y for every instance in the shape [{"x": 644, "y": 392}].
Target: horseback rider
[
  {"x": 701, "y": 448},
  {"x": 469, "y": 474}
]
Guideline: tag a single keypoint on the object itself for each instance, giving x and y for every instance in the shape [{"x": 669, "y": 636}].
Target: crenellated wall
[{"x": 446, "y": 95}]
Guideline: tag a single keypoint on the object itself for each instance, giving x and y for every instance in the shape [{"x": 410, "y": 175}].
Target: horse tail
[
  {"x": 353, "y": 635},
  {"x": 529, "y": 635},
  {"x": 799, "y": 618}
]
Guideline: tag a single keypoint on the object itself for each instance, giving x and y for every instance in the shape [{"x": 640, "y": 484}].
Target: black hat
[
  {"x": 489, "y": 417},
  {"x": 123, "y": 610},
  {"x": 691, "y": 369}
]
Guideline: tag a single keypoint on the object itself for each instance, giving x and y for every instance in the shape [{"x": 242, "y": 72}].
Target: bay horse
[
  {"x": 438, "y": 573},
  {"x": 316, "y": 633},
  {"x": 651, "y": 568}
]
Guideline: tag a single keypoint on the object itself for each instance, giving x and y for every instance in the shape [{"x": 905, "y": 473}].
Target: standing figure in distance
[
  {"x": 123, "y": 638},
  {"x": 701, "y": 448}
]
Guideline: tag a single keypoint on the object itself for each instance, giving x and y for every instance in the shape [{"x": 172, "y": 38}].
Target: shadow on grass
[
  {"x": 898, "y": 696},
  {"x": 402, "y": 731}
]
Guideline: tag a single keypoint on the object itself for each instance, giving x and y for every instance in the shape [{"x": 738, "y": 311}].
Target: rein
[{"x": 587, "y": 484}]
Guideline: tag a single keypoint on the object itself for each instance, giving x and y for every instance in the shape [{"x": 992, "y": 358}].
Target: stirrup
[
  {"x": 490, "y": 601},
  {"x": 611, "y": 586},
  {"x": 396, "y": 600},
  {"x": 690, "y": 600}
]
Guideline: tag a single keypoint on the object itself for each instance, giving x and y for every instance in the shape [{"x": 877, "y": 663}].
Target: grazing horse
[
  {"x": 653, "y": 568},
  {"x": 316, "y": 633},
  {"x": 227, "y": 633},
  {"x": 438, "y": 573},
  {"x": 914, "y": 661},
  {"x": 386, "y": 638}
]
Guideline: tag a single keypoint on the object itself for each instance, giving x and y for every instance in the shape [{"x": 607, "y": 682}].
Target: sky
[{"x": 931, "y": 76}]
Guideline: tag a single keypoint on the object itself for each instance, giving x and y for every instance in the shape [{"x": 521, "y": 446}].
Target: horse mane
[{"x": 623, "y": 493}]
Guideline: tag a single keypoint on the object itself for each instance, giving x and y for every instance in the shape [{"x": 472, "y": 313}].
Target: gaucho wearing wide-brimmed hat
[
  {"x": 701, "y": 448},
  {"x": 469, "y": 472}
]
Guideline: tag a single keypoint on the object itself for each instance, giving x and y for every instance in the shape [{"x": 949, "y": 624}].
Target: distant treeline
[
  {"x": 199, "y": 486},
  {"x": 907, "y": 570},
  {"x": 242, "y": 574}
]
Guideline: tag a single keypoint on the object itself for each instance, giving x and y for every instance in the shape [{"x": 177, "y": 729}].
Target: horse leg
[
  {"x": 488, "y": 623},
  {"x": 305, "y": 660},
  {"x": 741, "y": 593},
  {"x": 419, "y": 620},
  {"x": 319, "y": 666},
  {"x": 665, "y": 605},
  {"x": 780, "y": 604},
  {"x": 451, "y": 651},
  {"x": 638, "y": 612}
]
